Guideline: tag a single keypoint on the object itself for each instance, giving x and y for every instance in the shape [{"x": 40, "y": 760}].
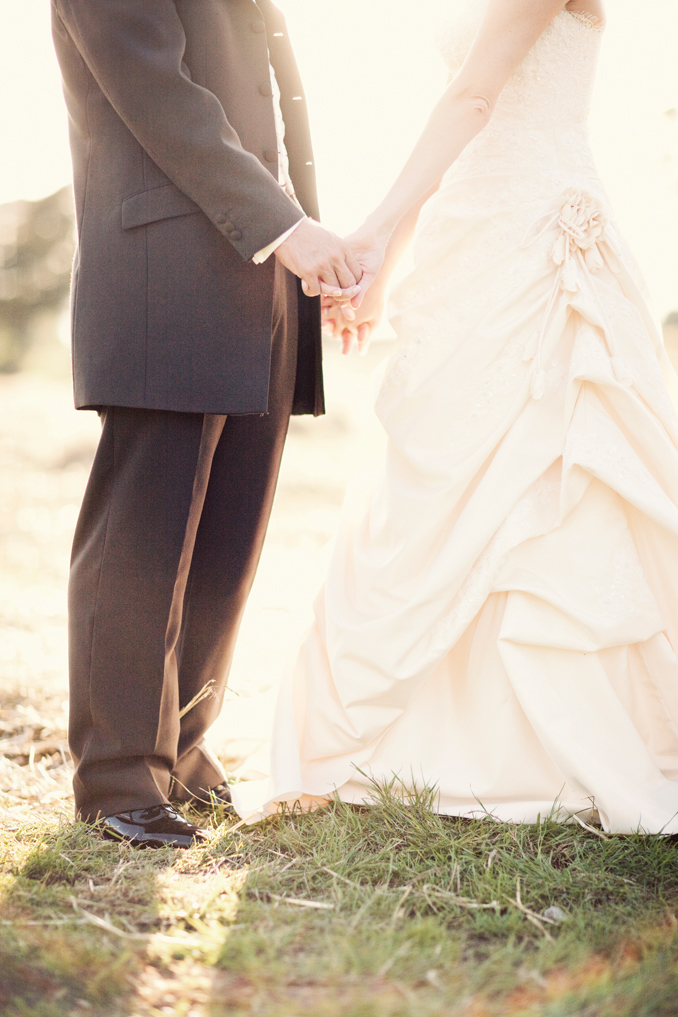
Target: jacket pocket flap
[{"x": 159, "y": 203}]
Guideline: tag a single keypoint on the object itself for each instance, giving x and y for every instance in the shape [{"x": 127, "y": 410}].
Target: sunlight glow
[{"x": 372, "y": 74}]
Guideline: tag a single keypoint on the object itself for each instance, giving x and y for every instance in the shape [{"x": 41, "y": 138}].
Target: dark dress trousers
[{"x": 195, "y": 358}]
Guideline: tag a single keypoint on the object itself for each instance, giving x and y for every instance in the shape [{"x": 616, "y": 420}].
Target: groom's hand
[{"x": 324, "y": 263}]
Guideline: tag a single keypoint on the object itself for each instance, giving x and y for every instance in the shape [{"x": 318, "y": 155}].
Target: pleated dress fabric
[{"x": 501, "y": 623}]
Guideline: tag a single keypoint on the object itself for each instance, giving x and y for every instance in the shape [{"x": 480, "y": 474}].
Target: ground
[{"x": 391, "y": 911}]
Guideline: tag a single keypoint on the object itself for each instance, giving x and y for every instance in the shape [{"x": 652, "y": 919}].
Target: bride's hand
[
  {"x": 369, "y": 248},
  {"x": 362, "y": 324}
]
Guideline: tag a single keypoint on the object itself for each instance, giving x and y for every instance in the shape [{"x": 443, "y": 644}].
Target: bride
[{"x": 502, "y": 623}]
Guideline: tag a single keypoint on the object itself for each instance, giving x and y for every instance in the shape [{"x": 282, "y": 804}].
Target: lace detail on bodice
[{"x": 554, "y": 83}]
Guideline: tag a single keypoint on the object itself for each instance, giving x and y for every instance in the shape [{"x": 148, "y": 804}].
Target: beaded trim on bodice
[
  {"x": 590, "y": 20},
  {"x": 554, "y": 83}
]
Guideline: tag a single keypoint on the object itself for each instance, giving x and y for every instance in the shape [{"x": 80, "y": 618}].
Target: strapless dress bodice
[
  {"x": 554, "y": 83},
  {"x": 536, "y": 144}
]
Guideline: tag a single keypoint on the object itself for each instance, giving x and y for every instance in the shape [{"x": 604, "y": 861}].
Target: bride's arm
[{"x": 508, "y": 32}]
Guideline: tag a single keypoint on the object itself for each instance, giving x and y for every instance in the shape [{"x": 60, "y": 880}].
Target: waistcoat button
[
  {"x": 258, "y": 27},
  {"x": 265, "y": 89},
  {"x": 271, "y": 155}
]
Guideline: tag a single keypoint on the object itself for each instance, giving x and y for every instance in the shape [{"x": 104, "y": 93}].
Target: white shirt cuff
[{"x": 260, "y": 257}]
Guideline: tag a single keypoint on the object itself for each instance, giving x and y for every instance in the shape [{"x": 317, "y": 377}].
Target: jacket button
[
  {"x": 265, "y": 89},
  {"x": 258, "y": 27},
  {"x": 236, "y": 235},
  {"x": 228, "y": 227},
  {"x": 220, "y": 218},
  {"x": 271, "y": 155}
]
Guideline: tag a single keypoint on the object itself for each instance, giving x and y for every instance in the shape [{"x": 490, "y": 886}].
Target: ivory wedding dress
[{"x": 502, "y": 623}]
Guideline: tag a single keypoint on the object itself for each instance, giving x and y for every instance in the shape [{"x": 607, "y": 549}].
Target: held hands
[
  {"x": 354, "y": 320},
  {"x": 324, "y": 263},
  {"x": 340, "y": 270}
]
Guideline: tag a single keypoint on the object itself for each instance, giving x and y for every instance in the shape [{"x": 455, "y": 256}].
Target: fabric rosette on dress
[
  {"x": 582, "y": 228},
  {"x": 580, "y": 249}
]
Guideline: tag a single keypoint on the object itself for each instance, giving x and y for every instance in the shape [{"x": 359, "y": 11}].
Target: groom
[{"x": 195, "y": 340}]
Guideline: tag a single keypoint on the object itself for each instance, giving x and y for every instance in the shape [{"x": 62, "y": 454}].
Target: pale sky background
[{"x": 372, "y": 74}]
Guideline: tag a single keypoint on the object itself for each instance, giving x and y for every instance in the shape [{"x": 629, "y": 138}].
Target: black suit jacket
[{"x": 175, "y": 173}]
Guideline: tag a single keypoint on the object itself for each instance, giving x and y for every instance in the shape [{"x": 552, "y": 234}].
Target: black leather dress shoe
[{"x": 159, "y": 826}]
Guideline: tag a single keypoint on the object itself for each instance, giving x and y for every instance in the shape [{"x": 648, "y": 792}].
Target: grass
[{"x": 381, "y": 912}]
